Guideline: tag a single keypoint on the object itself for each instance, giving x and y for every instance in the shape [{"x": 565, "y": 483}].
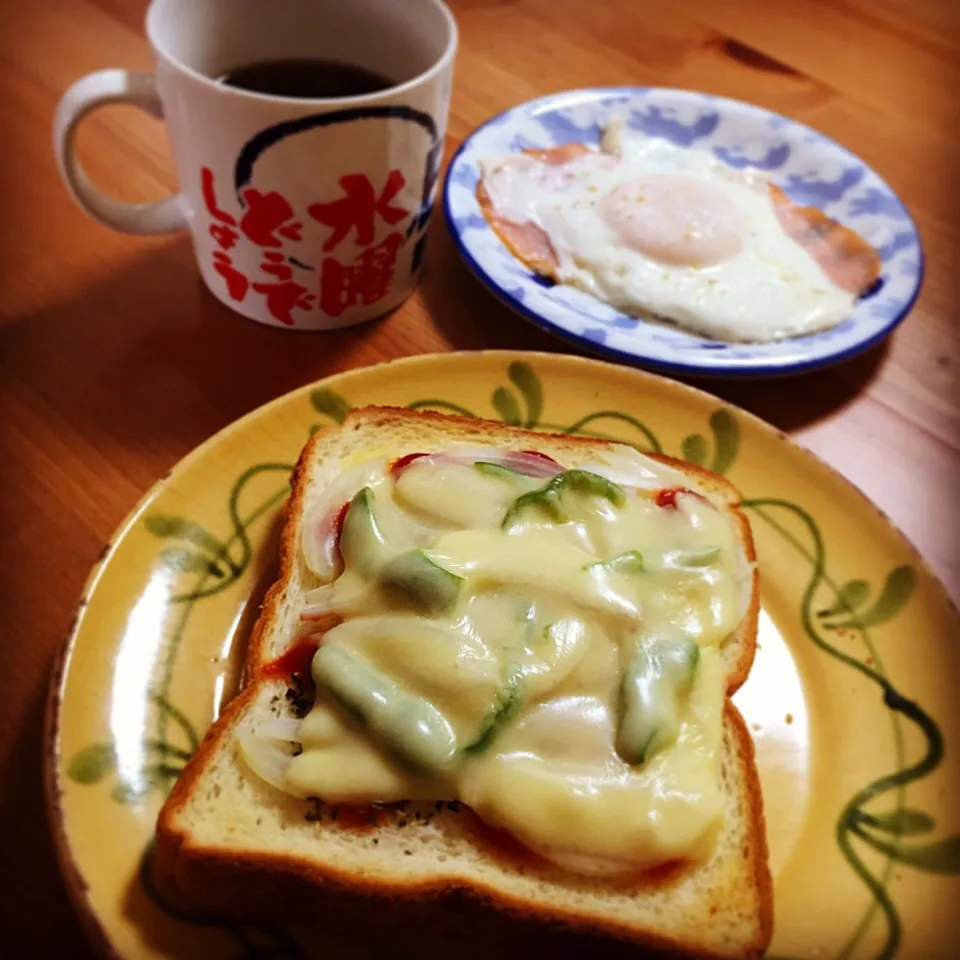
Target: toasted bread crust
[
  {"x": 256, "y": 657},
  {"x": 278, "y": 886},
  {"x": 234, "y": 883},
  {"x": 756, "y": 851}
]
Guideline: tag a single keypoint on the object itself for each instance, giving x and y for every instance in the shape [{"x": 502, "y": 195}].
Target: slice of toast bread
[{"x": 234, "y": 845}]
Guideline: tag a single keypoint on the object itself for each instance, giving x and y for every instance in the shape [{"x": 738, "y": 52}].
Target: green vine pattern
[
  {"x": 888, "y": 827},
  {"x": 209, "y": 565},
  {"x": 725, "y": 434},
  {"x": 846, "y": 611},
  {"x": 165, "y": 758},
  {"x": 883, "y": 831}
]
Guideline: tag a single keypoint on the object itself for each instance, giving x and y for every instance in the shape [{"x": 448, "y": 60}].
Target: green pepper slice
[{"x": 548, "y": 500}]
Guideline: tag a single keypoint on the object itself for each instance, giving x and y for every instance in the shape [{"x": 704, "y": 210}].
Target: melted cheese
[
  {"x": 526, "y": 666},
  {"x": 556, "y": 783}
]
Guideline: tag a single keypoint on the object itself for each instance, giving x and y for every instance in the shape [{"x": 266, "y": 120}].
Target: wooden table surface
[{"x": 115, "y": 361}]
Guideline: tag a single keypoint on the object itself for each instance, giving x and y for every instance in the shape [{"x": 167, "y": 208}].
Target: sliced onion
[
  {"x": 443, "y": 456},
  {"x": 264, "y": 758},
  {"x": 465, "y": 453},
  {"x": 401, "y": 463},
  {"x": 630, "y": 468},
  {"x": 530, "y": 463},
  {"x": 325, "y": 559},
  {"x": 318, "y": 625},
  {"x": 320, "y": 530},
  {"x": 334, "y": 599},
  {"x": 280, "y": 728}
]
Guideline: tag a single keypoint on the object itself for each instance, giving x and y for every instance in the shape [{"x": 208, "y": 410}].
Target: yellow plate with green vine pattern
[{"x": 851, "y": 700}]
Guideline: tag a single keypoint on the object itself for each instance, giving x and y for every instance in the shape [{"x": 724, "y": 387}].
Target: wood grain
[{"x": 115, "y": 362}]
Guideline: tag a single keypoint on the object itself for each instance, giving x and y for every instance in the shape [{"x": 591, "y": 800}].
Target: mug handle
[{"x": 87, "y": 94}]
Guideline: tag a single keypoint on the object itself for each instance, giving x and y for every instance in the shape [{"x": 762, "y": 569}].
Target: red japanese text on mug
[{"x": 307, "y": 212}]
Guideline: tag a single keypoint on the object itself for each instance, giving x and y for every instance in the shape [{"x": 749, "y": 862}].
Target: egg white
[{"x": 771, "y": 289}]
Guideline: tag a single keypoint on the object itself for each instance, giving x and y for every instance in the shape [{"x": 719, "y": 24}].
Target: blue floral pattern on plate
[{"x": 808, "y": 166}]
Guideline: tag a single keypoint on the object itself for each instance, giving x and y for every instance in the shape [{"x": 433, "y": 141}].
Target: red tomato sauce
[{"x": 295, "y": 660}]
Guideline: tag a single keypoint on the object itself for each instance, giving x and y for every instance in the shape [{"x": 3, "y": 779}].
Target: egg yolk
[{"x": 675, "y": 220}]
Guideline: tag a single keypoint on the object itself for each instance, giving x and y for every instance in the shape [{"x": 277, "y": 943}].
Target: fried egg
[{"x": 659, "y": 231}]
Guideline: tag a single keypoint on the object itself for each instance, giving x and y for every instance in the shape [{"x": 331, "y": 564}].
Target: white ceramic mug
[{"x": 305, "y": 214}]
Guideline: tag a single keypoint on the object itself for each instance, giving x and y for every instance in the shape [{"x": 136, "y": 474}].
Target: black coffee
[{"x": 308, "y": 79}]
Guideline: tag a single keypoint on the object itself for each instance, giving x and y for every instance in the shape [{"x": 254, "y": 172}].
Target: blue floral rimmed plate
[{"x": 809, "y": 167}]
